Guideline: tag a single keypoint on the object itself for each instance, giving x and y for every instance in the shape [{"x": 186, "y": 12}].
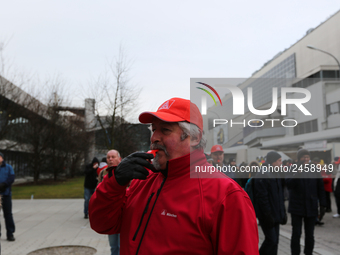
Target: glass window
[
  {"x": 334, "y": 108},
  {"x": 329, "y": 74},
  {"x": 308, "y": 127},
  {"x": 314, "y": 125},
  {"x": 328, "y": 110}
]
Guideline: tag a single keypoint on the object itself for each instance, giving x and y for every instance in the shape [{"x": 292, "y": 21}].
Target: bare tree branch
[{"x": 115, "y": 98}]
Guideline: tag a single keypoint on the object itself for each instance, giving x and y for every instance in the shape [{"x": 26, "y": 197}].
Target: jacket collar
[{"x": 181, "y": 166}]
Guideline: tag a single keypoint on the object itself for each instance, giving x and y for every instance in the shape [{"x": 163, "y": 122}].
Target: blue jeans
[
  {"x": 114, "y": 241},
  {"x": 87, "y": 195},
  {"x": 7, "y": 209}
]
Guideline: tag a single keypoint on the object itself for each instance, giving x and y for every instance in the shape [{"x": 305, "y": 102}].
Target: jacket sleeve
[
  {"x": 234, "y": 228},
  {"x": 321, "y": 192},
  {"x": 292, "y": 183},
  {"x": 327, "y": 181},
  {"x": 261, "y": 196},
  {"x": 106, "y": 206},
  {"x": 293, "y": 178},
  {"x": 88, "y": 169},
  {"x": 11, "y": 176}
]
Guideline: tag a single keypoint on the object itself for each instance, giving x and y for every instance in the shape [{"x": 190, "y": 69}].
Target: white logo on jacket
[{"x": 165, "y": 213}]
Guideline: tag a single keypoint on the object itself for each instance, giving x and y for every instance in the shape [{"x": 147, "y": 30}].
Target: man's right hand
[
  {"x": 133, "y": 167},
  {"x": 269, "y": 221},
  {"x": 3, "y": 187}
]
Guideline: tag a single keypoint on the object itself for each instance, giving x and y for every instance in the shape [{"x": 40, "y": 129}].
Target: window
[
  {"x": 306, "y": 127},
  {"x": 329, "y": 74},
  {"x": 316, "y": 77},
  {"x": 333, "y": 108}
]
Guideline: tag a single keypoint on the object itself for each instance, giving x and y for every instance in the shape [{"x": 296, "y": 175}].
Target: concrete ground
[
  {"x": 327, "y": 237},
  {"x": 42, "y": 223}
]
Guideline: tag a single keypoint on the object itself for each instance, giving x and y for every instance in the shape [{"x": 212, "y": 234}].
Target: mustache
[{"x": 156, "y": 146}]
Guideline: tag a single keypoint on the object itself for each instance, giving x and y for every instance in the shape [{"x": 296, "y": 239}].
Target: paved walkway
[
  {"x": 327, "y": 241},
  {"x": 42, "y": 223}
]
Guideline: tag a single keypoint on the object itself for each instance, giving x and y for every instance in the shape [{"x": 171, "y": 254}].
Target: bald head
[{"x": 113, "y": 158}]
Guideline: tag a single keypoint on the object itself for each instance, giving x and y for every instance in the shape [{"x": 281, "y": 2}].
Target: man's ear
[{"x": 194, "y": 141}]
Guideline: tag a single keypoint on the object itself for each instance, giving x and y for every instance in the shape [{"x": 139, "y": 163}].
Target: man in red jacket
[{"x": 176, "y": 208}]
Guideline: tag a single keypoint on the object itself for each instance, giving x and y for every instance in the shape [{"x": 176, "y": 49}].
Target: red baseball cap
[
  {"x": 216, "y": 148},
  {"x": 175, "y": 110}
]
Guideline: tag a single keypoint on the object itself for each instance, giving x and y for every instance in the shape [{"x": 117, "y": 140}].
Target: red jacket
[
  {"x": 327, "y": 181},
  {"x": 191, "y": 215}
]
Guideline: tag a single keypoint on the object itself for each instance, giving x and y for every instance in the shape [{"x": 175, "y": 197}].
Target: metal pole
[{"x": 337, "y": 61}]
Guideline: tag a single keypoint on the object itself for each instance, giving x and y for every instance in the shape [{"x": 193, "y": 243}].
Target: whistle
[{"x": 153, "y": 152}]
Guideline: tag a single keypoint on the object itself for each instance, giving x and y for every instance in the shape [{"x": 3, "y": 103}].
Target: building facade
[{"x": 298, "y": 66}]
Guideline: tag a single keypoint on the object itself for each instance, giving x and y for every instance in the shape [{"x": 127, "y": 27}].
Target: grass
[{"x": 71, "y": 188}]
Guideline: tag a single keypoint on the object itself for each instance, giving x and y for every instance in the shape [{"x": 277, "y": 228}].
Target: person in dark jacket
[
  {"x": 90, "y": 183},
  {"x": 305, "y": 190},
  {"x": 269, "y": 204},
  {"x": 6, "y": 179}
]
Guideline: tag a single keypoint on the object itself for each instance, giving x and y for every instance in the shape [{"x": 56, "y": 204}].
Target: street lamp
[{"x": 314, "y": 48}]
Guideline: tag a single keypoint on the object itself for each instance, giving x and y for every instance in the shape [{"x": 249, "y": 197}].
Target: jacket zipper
[
  {"x": 144, "y": 212},
  {"x": 147, "y": 222}
]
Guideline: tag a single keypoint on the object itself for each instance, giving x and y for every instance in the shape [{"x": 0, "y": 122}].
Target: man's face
[
  {"x": 277, "y": 162},
  {"x": 233, "y": 163},
  {"x": 218, "y": 157},
  {"x": 166, "y": 136},
  {"x": 112, "y": 158},
  {"x": 305, "y": 159},
  {"x": 1, "y": 160}
]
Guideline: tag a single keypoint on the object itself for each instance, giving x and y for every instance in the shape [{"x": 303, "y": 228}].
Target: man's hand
[
  {"x": 133, "y": 167},
  {"x": 3, "y": 187},
  {"x": 269, "y": 221},
  {"x": 322, "y": 212}
]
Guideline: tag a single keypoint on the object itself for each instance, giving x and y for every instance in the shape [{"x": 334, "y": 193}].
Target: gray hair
[{"x": 194, "y": 131}]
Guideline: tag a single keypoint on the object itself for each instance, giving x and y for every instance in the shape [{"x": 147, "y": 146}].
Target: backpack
[{"x": 249, "y": 188}]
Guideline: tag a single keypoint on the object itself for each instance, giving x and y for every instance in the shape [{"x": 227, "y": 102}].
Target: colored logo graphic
[{"x": 212, "y": 89}]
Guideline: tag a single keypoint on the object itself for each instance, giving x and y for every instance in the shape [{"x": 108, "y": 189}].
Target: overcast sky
[{"x": 169, "y": 41}]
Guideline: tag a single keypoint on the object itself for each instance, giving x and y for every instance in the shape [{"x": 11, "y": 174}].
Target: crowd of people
[
  {"x": 309, "y": 194},
  {"x": 159, "y": 204}
]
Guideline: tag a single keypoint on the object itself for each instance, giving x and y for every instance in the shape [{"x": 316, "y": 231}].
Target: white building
[{"x": 297, "y": 66}]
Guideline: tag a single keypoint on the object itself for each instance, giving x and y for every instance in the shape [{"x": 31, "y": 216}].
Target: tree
[
  {"x": 66, "y": 134},
  {"x": 36, "y": 123},
  {"x": 23, "y": 117},
  {"x": 13, "y": 101},
  {"x": 115, "y": 97}
]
